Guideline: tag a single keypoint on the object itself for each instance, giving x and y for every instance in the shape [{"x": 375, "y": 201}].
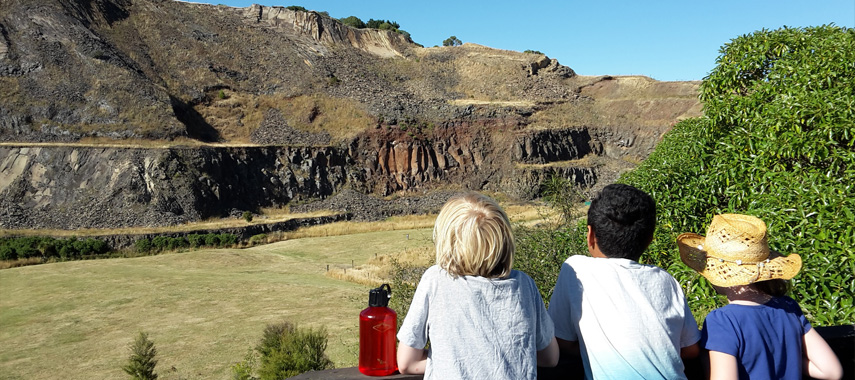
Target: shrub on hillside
[
  {"x": 777, "y": 142},
  {"x": 143, "y": 245},
  {"x": 353, "y": 22},
  {"x": 196, "y": 240},
  {"x": 48, "y": 247},
  {"x": 452, "y": 41}
]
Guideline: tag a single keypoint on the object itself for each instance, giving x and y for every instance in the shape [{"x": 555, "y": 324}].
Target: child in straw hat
[
  {"x": 484, "y": 320},
  {"x": 761, "y": 333},
  {"x": 627, "y": 320}
]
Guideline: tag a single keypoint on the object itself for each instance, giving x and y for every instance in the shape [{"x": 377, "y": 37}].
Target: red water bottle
[{"x": 377, "y": 325}]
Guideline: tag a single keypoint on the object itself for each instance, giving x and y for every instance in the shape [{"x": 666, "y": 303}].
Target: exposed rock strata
[{"x": 96, "y": 187}]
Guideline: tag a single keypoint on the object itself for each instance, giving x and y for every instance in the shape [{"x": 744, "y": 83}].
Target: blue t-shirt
[{"x": 765, "y": 339}]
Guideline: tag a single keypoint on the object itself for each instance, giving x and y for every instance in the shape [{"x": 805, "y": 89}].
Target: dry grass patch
[
  {"x": 341, "y": 118},
  {"x": 203, "y": 309},
  {"x": 381, "y": 268}
]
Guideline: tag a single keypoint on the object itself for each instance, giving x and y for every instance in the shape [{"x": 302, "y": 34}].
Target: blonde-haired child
[{"x": 483, "y": 319}]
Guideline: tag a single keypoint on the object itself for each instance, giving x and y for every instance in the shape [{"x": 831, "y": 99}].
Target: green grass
[{"x": 203, "y": 309}]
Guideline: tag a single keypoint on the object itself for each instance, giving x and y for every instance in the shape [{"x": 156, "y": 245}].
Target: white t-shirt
[
  {"x": 478, "y": 328},
  {"x": 630, "y": 319}
]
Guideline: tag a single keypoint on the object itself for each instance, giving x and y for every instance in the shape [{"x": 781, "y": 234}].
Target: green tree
[
  {"x": 777, "y": 142},
  {"x": 142, "y": 361},
  {"x": 452, "y": 41},
  {"x": 353, "y": 22}
]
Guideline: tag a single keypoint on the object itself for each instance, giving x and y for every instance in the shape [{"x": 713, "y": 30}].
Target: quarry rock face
[{"x": 120, "y": 113}]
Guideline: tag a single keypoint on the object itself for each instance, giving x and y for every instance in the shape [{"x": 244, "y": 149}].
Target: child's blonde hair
[{"x": 473, "y": 237}]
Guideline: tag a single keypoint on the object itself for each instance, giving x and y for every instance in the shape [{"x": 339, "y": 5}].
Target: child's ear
[{"x": 592, "y": 239}]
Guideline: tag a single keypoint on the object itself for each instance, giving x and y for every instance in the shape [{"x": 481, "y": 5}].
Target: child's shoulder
[{"x": 786, "y": 303}]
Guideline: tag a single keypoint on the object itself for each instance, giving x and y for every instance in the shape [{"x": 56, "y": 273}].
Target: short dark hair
[{"x": 623, "y": 219}]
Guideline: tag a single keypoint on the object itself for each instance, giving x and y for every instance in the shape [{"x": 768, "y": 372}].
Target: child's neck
[{"x": 745, "y": 295}]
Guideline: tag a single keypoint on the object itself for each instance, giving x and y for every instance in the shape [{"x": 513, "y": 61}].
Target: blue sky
[{"x": 666, "y": 40}]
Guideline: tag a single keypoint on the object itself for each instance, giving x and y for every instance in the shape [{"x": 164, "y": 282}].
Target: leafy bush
[
  {"x": 296, "y": 8},
  {"x": 533, "y": 52},
  {"x": 245, "y": 369},
  {"x": 353, "y": 22},
  {"x": 541, "y": 250},
  {"x": 452, "y": 41},
  {"x": 142, "y": 361},
  {"x": 287, "y": 350},
  {"x": 143, "y": 245},
  {"x": 212, "y": 240},
  {"x": 48, "y": 247},
  {"x": 778, "y": 142},
  {"x": 227, "y": 240},
  {"x": 196, "y": 240},
  {"x": 257, "y": 239},
  {"x": 382, "y": 24},
  {"x": 247, "y": 216}
]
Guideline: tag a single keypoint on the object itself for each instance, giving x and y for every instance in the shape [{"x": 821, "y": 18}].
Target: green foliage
[
  {"x": 403, "y": 282},
  {"x": 257, "y": 239},
  {"x": 212, "y": 240},
  {"x": 196, "y": 240},
  {"x": 287, "y": 350},
  {"x": 143, "y": 245},
  {"x": 245, "y": 369},
  {"x": 382, "y": 24},
  {"x": 452, "y": 41},
  {"x": 778, "y": 142},
  {"x": 142, "y": 361},
  {"x": 296, "y": 8},
  {"x": 227, "y": 240},
  {"x": 169, "y": 243},
  {"x": 353, "y": 22},
  {"x": 221, "y": 94},
  {"x": 247, "y": 216},
  {"x": 533, "y": 52},
  {"x": 48, "y": 247},
  {"x": 541, "y": 250}
]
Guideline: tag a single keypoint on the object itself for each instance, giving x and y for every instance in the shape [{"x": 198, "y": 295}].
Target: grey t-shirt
[{"x": 479, "y": 328}]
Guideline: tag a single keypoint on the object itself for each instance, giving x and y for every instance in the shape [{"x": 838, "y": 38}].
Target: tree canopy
[
  {"x": 777, "y": 141},
  {"x": 452, "y": 41}
]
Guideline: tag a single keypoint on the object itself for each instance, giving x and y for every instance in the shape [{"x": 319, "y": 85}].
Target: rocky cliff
[{"x": 157, "y": 112}]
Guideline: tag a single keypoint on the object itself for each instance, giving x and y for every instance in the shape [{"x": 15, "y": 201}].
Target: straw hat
[{"x": 736, "y": 252}]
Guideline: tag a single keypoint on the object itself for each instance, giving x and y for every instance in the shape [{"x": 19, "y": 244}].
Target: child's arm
[
  {"x": 820, "y": 360},
  {"x": 568, "y": 347},
  {"x": 690, "y": 352},
  {"x": 548, "y": 357},
  {"x": 411, "y": 361},
  {"x": 723, "y": 366}
]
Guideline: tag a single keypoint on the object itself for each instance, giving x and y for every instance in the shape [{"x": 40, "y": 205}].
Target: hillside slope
[{"x": 298, "y": 101}]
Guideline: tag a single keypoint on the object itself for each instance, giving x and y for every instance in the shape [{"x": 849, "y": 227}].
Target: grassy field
[{"x": 203, "y": 309}]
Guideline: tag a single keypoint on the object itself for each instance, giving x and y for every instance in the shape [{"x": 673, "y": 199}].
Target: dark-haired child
[
  {"x": 627, "y": 320},
  {"x": 761, "y": 333}
]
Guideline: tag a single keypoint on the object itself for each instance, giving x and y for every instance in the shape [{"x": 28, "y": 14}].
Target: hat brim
[{"x": 728, "y": 273}]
